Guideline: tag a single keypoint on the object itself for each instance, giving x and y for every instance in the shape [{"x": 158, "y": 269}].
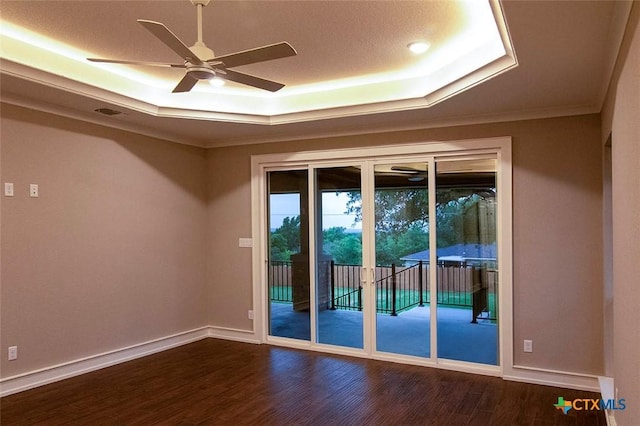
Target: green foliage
[
  {"x": 285, "y": 240},
  {"x": 391, "y": 246},
  {"x": 402, "y": 219},
  {"x": 290, "y": 229},
  {"x": 346, "y": 249},
  {"x": 278, "y": 247},
  {"x": 402, "y": 226}
]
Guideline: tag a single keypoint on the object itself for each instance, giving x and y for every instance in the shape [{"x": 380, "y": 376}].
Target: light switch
[
  {"x": 8, "y": 189},
  {"x": 245, "y": 242},
  {"x": 33, "y": 190}
]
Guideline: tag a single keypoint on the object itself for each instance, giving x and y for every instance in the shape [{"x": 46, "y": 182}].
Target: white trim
[
  {"x": 431, "y": 150},
  {"x": 368, "y": 270},
  {"x": 43, "y": 376},
  {"x": 489, "y": 52},
  {"x": 235, "y": 334},
  {"x": 433, "y": 252},
  {"x": 442, "y": 364},
  {"x": 258, "y": 251},
  {"x": 561, "y": 379},
  {"x": 504, "y": 237},
  {"x": 436, "y": 147},
  {"x": 98, "y": 119},
  {"x": 608, "y": 391},
  {"x": 47, "y": 375},
  {"x": 533, "y": 114},
  {"x": 311, "y": 249}
]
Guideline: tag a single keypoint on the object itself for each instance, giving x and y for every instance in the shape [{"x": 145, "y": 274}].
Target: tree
[
  {"x": 402, "y": 219},
  {"x": 285, "y": 240},
  {"x": 290, "y": 230},
  {"x": 348, "y": 250},
  {"x": 278, "y": 247},
  {"x": 345, "y": 248}
]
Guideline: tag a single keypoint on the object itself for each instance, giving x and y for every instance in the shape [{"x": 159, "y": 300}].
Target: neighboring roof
[{"x": 457, "y": 252}]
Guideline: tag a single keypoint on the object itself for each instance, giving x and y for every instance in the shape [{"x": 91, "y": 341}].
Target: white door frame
[{"x": 500, "y": 146}]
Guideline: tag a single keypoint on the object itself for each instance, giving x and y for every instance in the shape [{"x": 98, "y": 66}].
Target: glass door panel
[
  {"x": 435, "y": 281},
  {"x": 467, "y": 268},
  {"x": 401, "y": 205},
  {"x": 288, "y": 248},
  {"x": 338, "y": 256}
]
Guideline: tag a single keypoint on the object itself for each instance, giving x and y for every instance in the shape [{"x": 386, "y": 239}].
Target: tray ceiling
[{"x": 352, "y": 67}]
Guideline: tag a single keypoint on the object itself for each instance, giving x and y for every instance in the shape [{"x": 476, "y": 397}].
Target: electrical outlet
[
  {"x": 12, "y": 353},
  {"x": 33, "y": 190},
  {"x": 250, "y": 314},
  {"x": 528, "y": 345}
]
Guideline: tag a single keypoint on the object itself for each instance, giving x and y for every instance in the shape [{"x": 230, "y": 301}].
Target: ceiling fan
[
  {"x": 416, "y": 174},
  {"x": 200, "y": 62}
]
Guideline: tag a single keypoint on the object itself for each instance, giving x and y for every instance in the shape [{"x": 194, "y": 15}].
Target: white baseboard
[
  {"x": 561, "y": 379},
  {"x": 236, "y": 334},
  {"x": 32, "y": 379}
]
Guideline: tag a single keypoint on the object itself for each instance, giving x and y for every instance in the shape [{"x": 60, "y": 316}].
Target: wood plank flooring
[{"x": 218, "y": 382}]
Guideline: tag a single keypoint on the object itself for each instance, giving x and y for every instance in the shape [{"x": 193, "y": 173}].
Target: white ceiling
[{"x": 565, "y": 53}]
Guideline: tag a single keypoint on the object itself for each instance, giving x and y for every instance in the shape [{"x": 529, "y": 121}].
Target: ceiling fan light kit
[{"x": 200, "y": 62}]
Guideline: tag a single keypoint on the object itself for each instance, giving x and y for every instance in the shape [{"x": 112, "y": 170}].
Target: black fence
[
  {"x": 401, "y": 288},
  {"x": 280, "y": 278}
]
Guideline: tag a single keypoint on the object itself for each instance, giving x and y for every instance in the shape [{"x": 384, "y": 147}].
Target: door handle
[{"x": 363, "y": 275}]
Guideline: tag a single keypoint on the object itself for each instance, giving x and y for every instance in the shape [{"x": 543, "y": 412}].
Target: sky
[{"x": 333, "y": 210}]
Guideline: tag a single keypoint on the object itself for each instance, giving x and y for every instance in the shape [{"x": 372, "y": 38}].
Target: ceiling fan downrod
[{"x": 199, "y": 48}]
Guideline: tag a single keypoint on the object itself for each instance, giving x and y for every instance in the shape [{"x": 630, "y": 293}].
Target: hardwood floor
[{"x": 218, "y": 382}]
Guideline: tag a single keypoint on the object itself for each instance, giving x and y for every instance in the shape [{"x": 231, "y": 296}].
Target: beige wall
[
  {"x": 111, "y": 254},
  {"x": 557, "y": 232},
  {"x": 113, "y": 251},
  {"x": 624, "y": 100}
]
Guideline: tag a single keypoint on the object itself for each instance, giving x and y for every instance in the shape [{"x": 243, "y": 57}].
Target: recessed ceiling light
[
  {"x": 418, "y": 46},
  {"x": 216, "y": 82}
]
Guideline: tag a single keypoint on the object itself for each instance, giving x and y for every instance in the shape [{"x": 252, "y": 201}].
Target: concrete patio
[{"x": 407, "y": 333}]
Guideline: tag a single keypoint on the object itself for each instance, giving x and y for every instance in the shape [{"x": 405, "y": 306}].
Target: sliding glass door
[
  {"x": 391, "y": 258},
  {"x": 401, "y": 203},
  {"x": 338, "y": 256},
  {"x": 466, "y": 260},
  {"x": 288, "y": 282}
]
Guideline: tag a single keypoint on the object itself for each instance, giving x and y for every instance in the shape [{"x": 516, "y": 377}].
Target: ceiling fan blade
[
  {"x": 185, "y": 84},
  {"x": 165, "y": 35},
  {"x": 259, "y": 54},
  {"x": 406, "y": 169},
  {"x": 250, "y": 80},
  {"x": 152, "y": 64}
]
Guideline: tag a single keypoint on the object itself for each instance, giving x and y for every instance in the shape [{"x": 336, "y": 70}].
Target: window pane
[
  {"x": 467, "y": 269},
  {"x": 401, "y": 203},
  {"x": 288, "y": 264}
]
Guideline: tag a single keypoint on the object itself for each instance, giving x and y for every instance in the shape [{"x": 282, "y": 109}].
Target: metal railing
[
  {"x": 280, "y": 279},
  {"x": 401, "y": 288},
  {"x": 346, "y": 287}
]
